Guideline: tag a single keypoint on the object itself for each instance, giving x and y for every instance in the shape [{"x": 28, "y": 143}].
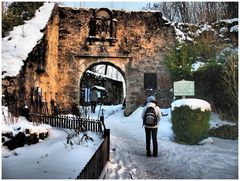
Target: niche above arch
[{"x": 102, "y": 26}]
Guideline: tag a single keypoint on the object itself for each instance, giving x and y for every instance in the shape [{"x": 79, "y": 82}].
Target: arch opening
[{"x": 109, "y": 82}]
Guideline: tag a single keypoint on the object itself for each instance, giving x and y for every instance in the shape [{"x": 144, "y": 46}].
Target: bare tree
[
  {"x": 193, "y": 12},
  {"x": 231, "y": 9},
  {"x": 184, "y": 11}
]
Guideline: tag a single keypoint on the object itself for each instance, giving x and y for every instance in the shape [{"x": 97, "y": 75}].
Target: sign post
[{"x": 184, "y": 88}]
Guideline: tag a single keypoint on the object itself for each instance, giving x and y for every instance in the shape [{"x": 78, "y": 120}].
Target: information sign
[{"x": 183, "y": 88}]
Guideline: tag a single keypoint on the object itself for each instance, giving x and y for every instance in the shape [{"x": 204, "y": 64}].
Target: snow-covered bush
[
  {"x": 190, "y": 123},
  {"x": 76, "y": 137}
]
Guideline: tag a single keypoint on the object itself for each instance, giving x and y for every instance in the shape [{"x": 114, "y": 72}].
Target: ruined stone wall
[
  {"x": 48, "y": 80},
  {"x": 142, "y": 41},
  {"x": 39, "y": 74},
  {"x": 57, "y": 63}
]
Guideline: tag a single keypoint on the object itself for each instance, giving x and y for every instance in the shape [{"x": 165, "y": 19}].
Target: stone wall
[
  {"x": 10, "y": 99},
  {"x": 58, "y": 62}
]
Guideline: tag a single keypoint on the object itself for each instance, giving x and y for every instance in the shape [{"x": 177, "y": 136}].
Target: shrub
[
  {"x": 230, "y": 86},
  {"x": 75, "y": 109},
  {"x": 190, "y": 126}
]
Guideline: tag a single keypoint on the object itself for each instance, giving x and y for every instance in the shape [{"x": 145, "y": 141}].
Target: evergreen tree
[{"x": 179, "y": 60}]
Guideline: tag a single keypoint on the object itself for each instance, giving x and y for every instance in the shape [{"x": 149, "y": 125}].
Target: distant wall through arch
[{"x": 109, "y": 80}]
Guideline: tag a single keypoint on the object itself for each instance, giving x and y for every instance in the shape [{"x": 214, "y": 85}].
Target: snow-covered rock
[
  {"x": 190, "y": 32},
  {"x": 206, "y": 141}
]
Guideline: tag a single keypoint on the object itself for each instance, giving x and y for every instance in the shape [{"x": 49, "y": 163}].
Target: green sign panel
[{"x": 183, "y": 88}]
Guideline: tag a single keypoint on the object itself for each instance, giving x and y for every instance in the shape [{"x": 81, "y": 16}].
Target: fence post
[
  {"x": 107, "y": 136},
  {"x": 102, "y": 120}
]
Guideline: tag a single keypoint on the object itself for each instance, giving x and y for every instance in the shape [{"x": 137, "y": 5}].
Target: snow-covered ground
[
  {"x": 51, "y": 158},
  {"x": 217, "y": 159}
]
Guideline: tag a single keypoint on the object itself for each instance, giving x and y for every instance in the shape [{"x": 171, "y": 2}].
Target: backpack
[{"x": 150, "y": 117}]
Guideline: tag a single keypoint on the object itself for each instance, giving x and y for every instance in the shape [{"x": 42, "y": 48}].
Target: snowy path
[{"x": 175, "y": 161}]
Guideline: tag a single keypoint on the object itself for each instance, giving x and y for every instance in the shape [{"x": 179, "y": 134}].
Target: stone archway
[{"x": 80, "y": 64}]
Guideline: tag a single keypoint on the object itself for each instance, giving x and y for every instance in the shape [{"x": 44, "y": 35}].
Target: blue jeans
[{"x": 151, "y": 132}]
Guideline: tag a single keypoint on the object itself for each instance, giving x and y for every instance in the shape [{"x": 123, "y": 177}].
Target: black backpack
[{"x": 150, "y": 117}]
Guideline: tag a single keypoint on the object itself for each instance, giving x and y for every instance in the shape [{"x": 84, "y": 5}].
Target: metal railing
[{"x": 95, "y": 165}]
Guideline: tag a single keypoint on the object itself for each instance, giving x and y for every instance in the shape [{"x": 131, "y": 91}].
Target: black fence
[
  {"x": 75, "y": 122},
  {"x": 95, "y": 165}
]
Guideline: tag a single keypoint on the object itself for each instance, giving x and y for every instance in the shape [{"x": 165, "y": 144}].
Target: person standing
[
  {"x": 151, "y": 116},
  {"x": 93, "y": 99}
]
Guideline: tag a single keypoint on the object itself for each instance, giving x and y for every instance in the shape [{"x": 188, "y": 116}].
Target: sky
[{"x": 127, "y": 5}]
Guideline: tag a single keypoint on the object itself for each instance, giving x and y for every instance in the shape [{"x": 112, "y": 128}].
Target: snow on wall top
[
  {"x": 22, "y": 39},
  {"x": 184, "y": 33},
  {"x": 229, "y": 20},
  {"x": 192, "y": 103}
]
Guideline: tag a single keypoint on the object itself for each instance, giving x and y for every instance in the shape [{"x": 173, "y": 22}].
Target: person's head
[{"x": 151, "y": 99}]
